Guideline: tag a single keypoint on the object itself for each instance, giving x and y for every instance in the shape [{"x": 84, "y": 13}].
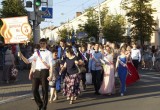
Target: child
[{"x": 56, "y": 66}]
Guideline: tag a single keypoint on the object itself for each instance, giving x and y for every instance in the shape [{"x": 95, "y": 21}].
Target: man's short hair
[
  {"x": 43, "y": 40},
  {"x": 63, "y": 40},
  {"x": 134, "y": 43}
]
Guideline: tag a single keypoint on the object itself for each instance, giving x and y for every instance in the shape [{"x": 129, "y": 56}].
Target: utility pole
[
  {"x": 36, "y": 27},
  {"x": 100, "y": 25},
  {"x": 99, "y": 15},
  {"x": 36, "y": 17}
]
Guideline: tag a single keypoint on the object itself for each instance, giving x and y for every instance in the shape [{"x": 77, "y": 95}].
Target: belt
[{"x": 41, "y": 69}]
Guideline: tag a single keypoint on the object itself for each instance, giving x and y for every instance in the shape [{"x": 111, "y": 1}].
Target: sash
[
  {"x": 39, "y": 55},
  {"x": 111, "y": 63},
  {"x": 94, "y": 58},
  {"x": 83, "y": 57},
  {"x": 124, "y": 65}
]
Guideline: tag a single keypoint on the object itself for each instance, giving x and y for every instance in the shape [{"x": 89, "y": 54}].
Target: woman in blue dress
[{"x": 122, "y": 69}]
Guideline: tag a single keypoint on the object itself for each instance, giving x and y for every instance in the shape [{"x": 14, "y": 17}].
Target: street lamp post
[
  {"x": 100, "y": 25},
  {"x": 99, "y": 14}
]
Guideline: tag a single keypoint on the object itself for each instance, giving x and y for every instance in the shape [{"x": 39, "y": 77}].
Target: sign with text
[{"x": 16, "y": 30}]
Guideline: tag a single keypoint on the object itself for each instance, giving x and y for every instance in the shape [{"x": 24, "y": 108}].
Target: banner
[{"x": 16, "y": 30}]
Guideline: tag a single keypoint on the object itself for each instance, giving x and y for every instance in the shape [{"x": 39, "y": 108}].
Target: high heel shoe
[
  {"x": 75, "y": 98},
  {"x": 71, "y": 102},
  {"x": 68, "y": 98}
]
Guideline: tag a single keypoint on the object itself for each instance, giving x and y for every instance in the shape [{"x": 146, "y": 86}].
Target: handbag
[
  {"x": 88, "y": 78},
  {"x": 52, "y": 83},
  {"x": 81, "y": 69},
  {"x": 116, "y": 74},
  {"x": 13, "y": 73}
]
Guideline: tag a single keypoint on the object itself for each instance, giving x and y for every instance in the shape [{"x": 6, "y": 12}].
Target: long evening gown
[
  {"x": 133, "y": 75},
  {"x": 108, "y": 84},
  {"x": 122, "y": 73}
]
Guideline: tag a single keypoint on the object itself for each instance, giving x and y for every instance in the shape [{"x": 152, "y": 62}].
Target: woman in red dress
[{"x": 133, "y": 75}]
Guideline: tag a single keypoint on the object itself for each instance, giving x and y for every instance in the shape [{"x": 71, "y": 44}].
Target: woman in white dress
[{"x": 108, "y": 84}]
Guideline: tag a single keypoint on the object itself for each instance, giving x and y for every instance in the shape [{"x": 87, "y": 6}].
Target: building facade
[{"x": 114, "y": 7}]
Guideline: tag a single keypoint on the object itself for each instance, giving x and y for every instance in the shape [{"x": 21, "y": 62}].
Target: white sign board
[{"x": 16, "y": 30}]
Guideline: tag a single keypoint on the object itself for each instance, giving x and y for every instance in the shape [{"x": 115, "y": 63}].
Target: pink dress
[{"x": 108, "y": 84}]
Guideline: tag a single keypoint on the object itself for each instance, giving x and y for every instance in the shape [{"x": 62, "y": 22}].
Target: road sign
[
  {"x": 44, "y": 3},
  {"x": 48, "y": 12}
]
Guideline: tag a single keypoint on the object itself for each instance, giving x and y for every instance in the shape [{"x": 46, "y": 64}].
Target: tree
[
  {"x": 139, "y": 13},
  {"x": 113, "y": 28},
  {"x": 111, "y": 25},
  {"x": 12, "y": 8},
  {"x": 91, "y": 26},
  {"x": 65, "y": 33}
]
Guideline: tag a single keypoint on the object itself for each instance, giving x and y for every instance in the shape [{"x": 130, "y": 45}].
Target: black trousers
[
  {"x": 96, "y": 77},
  {"x": 40, "y": 78},
  {"x": 83, "y": 78},
  {"x": 135, "y": 63}
]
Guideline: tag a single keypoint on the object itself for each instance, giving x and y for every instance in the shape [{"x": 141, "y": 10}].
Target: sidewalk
[{"x": 15, "y": 90}]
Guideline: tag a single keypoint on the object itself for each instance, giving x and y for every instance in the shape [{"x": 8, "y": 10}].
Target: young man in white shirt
[
  {"x": 43, "y": 73},
  {"x": 135, "y": 55}
]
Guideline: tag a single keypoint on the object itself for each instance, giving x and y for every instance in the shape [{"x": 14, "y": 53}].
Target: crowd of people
[{"x": 69, "y": 63}]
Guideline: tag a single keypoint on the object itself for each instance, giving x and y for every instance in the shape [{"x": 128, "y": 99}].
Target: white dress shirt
[
  {"x": 46, "y": 55},
  {"x": 136, "y": 54}
]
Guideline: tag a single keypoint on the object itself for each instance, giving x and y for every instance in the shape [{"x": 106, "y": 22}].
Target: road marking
[{"x": 15, "y": 98}]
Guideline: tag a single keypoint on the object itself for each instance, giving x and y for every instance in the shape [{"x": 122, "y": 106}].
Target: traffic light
[
  {"x": 39, "y": 16},
  {"x": 28, "y": 4},
  {"x": 38, "y": 3}
]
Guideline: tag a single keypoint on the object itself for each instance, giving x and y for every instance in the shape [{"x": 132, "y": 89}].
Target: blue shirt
[{"x": 96, "y": 56}]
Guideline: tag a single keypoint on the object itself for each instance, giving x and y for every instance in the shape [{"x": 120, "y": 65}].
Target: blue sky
[{"x": 64, "y": 10}]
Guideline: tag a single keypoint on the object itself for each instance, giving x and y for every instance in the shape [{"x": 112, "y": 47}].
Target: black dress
[{"x": 72, "y": 79}]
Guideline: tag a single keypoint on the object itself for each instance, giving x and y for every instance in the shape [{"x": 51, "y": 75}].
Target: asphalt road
[{"x": 143, "y": 95}]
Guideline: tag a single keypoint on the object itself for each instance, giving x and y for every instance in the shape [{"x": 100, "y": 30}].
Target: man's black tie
[{"x": 42, "y": 50}]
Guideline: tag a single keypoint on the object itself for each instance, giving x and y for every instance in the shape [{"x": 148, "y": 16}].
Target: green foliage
[
  {"x": 1, "y": 38},
  {"x": 91, "y": 26},
  {"x": 12, "y": 8},
  {"x": 1, "y": 23},
  {"x": 139, "y": 13},
  {"x": 103, "y": 14},
  {"x": 113, "y": 30},
  {"x": 65, "y": 33},
  {"x": 111, "y": 25}
]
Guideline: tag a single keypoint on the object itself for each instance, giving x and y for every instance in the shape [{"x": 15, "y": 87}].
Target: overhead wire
[
  {"x": 69, "y": 12},
  {"x": 60, "y": 2}
]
